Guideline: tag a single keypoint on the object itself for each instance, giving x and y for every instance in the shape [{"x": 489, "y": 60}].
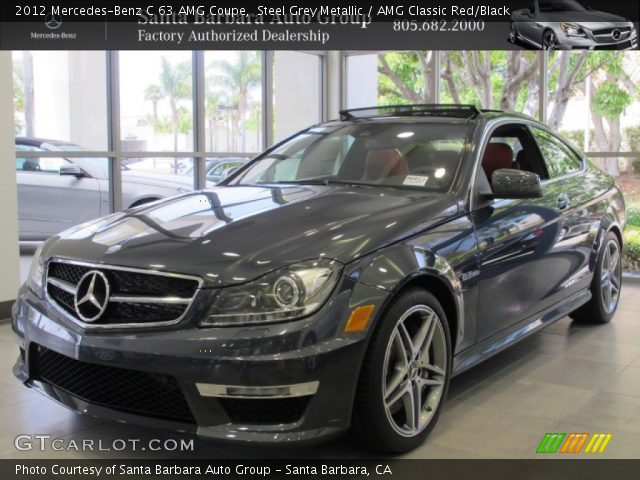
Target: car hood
[
  {"x": 591, "y": 19},
  {"x": 230, "y": 235}
]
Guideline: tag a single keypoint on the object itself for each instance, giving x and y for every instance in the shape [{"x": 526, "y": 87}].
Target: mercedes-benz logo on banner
[
  {"x": 92, "y": 296},
  {"x": 616, "y": 34},
  {"x": 52, "y": 21}
]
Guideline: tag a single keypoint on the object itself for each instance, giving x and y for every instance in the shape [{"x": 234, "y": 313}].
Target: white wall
[{"x": 9, "y": 252}]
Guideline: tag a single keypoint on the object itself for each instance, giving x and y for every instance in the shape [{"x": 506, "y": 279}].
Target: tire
[
  {"x": 549, "y": 40},
  {"x": 144, "y": 201},
  {"x": 513, "y": 33},
  {"x": 382, "y": 419},
  {"x": 606, "y": 285}
]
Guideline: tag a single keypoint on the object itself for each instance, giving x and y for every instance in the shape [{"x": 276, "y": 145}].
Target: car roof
[{"x": 425, "y": 113}]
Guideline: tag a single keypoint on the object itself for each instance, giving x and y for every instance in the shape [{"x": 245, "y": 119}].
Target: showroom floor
[{"x": 568, "y": 378}]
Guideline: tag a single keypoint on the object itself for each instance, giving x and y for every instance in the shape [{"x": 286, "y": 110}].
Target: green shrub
[
  {"x": 633, "y": 216},
  {"x": 631, "y": 259},
  {"x": 633, "y": 138}
]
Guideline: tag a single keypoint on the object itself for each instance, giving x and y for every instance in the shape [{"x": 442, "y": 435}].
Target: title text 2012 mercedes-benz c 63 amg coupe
[{"x": 339, "y": 280}]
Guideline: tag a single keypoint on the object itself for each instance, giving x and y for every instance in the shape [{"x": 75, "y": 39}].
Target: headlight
[
  {"x": 285, "y": 294},
  {"x": 35, "y": 281},
  {"x": 572, "y": 29}
]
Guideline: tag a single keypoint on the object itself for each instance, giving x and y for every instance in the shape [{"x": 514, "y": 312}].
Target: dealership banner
[
  {"x": 313, "y": 468},
  {"x": 460, "y": 25}
]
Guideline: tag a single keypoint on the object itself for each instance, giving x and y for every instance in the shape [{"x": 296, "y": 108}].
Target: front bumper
[
  {"x": 586, "y": 43},
  {"x": 304, "y": 352}
]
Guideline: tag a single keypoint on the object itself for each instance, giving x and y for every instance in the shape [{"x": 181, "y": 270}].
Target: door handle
[{"x": 563, "y": 202}]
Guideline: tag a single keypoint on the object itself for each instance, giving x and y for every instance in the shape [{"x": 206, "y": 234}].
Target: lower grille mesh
[
  {"x": 266, "y": 411},
  {"x": 130, "y": 391}
]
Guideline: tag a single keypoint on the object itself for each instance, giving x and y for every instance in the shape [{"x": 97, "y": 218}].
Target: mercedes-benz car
[
  {"x": 337, "y": 281},
  {"x": 55, "y": 193},
  {"x": 567, "y": 24}
]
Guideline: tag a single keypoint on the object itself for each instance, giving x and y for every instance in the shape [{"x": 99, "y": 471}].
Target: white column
[
  {"x": 9, "y": 251},
  {"x": 334, "y": 84}
]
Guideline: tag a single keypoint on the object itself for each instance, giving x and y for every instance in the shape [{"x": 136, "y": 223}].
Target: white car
[{"x": 57, "y": 193}]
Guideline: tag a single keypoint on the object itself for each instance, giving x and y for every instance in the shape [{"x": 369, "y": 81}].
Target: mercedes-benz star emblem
[
  {"x": 616, "y": 34},
  {"x": 92, "y": 296},
  {"x": 52, "y": 21}
]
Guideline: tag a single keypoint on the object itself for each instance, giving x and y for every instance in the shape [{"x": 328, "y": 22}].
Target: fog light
[{"x": 239, "y": 391}]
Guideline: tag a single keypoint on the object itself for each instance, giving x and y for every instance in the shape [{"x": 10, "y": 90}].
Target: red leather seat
[
  {"x": 384, "y": 162},
  {"x": 497, "y": 156}
]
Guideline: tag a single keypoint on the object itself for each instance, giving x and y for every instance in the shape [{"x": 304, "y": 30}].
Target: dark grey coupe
[{"x": 337, "y": 281}]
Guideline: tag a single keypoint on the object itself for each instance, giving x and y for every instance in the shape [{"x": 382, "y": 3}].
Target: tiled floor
[{"x": 568, "y": 378}]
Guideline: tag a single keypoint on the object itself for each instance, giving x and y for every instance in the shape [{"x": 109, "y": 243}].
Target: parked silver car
[
  {"x": 57, "y": 193},
  {"x": 567, "y": 24},
  {"x": 219, "y": 168}
]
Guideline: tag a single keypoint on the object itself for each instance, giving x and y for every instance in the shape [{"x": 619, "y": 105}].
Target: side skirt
[{"x": 498, "y": 342}]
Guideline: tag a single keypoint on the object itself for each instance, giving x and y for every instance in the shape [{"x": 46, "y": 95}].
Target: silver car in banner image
[
  {"x": 567, "y": 24},
  {"x": 57, "y": 193}
]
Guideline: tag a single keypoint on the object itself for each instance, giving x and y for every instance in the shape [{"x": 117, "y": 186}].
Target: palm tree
[
  {"x": 212, "y": 101},
  {"x": 175, "y": 85},
  {"x": 153, "y": 94},
  {"x": 239, "y": 78}
]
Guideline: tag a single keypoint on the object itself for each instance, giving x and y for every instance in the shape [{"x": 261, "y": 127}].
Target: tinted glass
[{"x": 560, "y": 159}]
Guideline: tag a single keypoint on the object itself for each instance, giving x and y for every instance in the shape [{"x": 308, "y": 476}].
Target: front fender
[{"x": 392, "y": 269}]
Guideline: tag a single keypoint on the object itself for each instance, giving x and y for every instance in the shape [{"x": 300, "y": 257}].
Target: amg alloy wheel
[
  {"x": 405, "y": 376},
  {"x": 549, "y": 40},
  {"x": 414, "y": 370},
  {"x": 611, "y": 276},
  {"x": 513, "y": 33},
  {"x": 606, "y": 284}
]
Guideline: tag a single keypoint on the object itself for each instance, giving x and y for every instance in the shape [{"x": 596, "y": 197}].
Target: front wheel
[
  {"x": 550, "y": 40},
  {"x": 513, "y": 33},
  {"x": 405, "y": 375},
  {"x": 606, "y": 284}
]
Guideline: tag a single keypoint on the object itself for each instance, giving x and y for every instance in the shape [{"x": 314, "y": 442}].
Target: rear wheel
[
  {"x": 606, "y": 284},
  {"x": 143, "y": 202},
  {"x": 405, "y": 375}
]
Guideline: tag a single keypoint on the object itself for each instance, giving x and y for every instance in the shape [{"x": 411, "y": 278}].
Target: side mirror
[
  {"x": 507, "y": 183},
  {"x": 72, "y": 170}
]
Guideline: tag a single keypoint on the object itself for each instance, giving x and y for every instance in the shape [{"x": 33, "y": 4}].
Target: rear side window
[{"x": 560, "y": 159}]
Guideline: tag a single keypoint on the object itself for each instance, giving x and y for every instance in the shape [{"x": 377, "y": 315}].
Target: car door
[
  {"x": 49, "y": 202},
  {"x": 570, "y": 190},
  {"x": 517, "y": 239}
]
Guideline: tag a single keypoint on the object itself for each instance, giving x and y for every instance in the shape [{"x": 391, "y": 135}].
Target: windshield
[{"x": 418, "y": 155}]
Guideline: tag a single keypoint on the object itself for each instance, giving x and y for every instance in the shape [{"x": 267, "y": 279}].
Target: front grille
[
  {"x": 131, "y": 391},
  {"x": 609, "y": 31},
  {"x": 265, "y": 411},
  {"x": 136, "y": 297}
]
